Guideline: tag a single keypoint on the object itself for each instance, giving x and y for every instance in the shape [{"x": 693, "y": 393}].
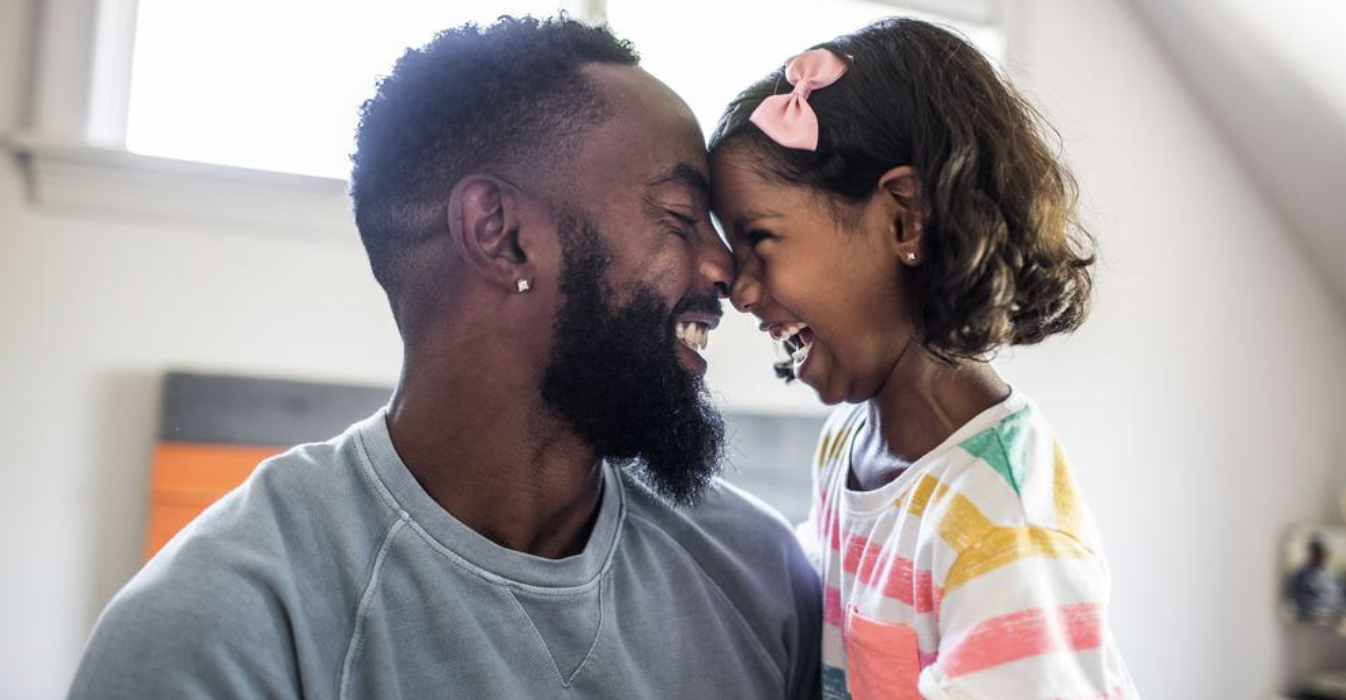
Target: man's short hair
[{"x": 506, "y": 98}]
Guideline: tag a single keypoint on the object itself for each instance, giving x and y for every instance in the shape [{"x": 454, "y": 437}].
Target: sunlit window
[
  {"x": 276, "y": 85},
  {"x": 710, "y": 50}
]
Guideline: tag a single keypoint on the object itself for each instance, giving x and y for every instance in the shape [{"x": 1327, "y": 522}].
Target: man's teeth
[{"x": 694, "y": 335}]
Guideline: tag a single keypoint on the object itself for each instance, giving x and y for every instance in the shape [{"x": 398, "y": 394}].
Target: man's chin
[
  {"x": 679, "y": 465},
  {"x": 686, "y": 491}
]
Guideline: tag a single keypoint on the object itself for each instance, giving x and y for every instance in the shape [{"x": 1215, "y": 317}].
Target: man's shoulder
[
  {"x": 236, "y": 586},
  {"x": 305, "y": 496},
  {"x": 726, "y": 521},
  {"x": 736, "y": 544}
]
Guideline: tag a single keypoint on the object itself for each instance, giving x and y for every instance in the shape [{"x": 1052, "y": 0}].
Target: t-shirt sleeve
[
  {"x": 179, "y": 636},
  {"x": 1022, "y": 614}
]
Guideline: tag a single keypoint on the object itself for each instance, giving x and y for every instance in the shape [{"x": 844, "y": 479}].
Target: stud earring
[
  {"x": 911, "y": 257},
  {"x": 524, "y": 286}
]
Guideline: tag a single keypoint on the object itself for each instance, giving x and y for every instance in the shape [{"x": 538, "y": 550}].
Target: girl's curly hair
[{"x": 1006, "y": 261}]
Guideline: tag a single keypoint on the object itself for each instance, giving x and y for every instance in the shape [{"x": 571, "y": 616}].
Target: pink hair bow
[{"x": 788, "y": 119}]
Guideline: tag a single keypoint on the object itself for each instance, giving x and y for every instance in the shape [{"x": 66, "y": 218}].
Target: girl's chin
[{"x": 818, "y": 383}]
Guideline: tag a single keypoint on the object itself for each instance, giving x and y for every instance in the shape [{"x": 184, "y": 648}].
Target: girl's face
[{"x": 832, "y": 294}]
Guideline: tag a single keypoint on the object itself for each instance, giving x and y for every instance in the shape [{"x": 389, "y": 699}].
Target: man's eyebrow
[{"x": 684, "y": 175}]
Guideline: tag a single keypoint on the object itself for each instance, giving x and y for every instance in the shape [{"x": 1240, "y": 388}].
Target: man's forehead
[
  {"x": 632, "y": 87},
  {"x": 684, "y": 176},
  {"x": 650, "y": 137}
]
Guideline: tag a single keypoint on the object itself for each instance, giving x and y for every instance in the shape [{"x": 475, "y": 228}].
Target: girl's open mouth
[{"x": 796, "y": 339}]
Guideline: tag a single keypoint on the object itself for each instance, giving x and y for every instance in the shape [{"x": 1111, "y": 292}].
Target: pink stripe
[
  {"x": 855, "y": 625},
  {"x": 1019, "y": 635},
  {"x": 896, "y": 577},
  {"x": 832, "y": 606}
]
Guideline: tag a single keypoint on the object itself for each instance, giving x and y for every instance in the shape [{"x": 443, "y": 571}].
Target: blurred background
[{"x": 172, "y": 199}]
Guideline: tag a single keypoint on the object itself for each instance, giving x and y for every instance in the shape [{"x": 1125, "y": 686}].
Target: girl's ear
[{"x": 902, "y": 198}]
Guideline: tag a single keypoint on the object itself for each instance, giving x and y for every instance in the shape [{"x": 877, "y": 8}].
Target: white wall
[
  {"x": 92, "y": 310},
  {"x": 1198, "y": 404},
  {"x": 1201, "y": 403}
]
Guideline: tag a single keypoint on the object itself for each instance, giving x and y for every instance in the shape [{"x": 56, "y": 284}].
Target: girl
[{"x": 897, "y": 217}]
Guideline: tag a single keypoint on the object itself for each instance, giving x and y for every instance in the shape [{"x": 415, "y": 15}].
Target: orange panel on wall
[
  {"x": 187, "y": 477},
  {"x": 215, "y": 429}
]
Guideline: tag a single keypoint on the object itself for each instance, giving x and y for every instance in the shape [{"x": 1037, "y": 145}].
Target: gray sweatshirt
[{"x": 331, "y": 574}]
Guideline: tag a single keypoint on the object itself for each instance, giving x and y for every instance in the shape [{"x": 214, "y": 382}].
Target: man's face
[{"x": 643, "y": 272}]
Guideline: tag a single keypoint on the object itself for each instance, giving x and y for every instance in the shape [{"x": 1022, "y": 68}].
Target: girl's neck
[{"x": 921, "y": 404}]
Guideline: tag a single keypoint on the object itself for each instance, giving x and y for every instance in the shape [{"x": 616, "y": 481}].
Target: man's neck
[{"x": 491, "y": 455}]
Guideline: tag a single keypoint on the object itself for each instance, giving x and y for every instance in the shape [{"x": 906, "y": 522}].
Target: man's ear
[
  {"x": 902, "y": 195},
  {"x": 484, "y": 220}
]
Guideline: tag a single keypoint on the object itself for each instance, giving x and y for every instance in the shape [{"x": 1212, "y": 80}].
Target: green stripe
[{"x": 1003, "y": 447}]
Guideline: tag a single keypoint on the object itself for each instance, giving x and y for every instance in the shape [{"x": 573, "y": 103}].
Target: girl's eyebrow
[{"x": 752, "y": 216}]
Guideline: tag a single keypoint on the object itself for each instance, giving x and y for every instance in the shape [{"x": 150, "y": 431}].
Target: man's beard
[{"x": 615, "y": 377}]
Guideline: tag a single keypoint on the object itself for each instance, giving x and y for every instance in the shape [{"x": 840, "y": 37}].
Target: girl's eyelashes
[{"x": 756, "y": 236}]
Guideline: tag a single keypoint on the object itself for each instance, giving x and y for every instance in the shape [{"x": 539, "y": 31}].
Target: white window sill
[{"x": 74, "y": 178}]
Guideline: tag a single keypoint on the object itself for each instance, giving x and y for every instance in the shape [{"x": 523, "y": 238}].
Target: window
[
  {"x": 285, "y": 98},
  {"x": 274, "y": 85},
  {"x": 181, "y": 107}
]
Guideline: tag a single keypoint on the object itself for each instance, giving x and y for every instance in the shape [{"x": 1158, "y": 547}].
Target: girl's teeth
[{"x": 784, "y": 332}]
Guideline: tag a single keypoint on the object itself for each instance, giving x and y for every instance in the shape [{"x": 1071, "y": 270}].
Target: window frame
[{"x": 73, "y": 143}]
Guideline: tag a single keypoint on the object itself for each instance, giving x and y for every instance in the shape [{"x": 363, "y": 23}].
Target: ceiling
[{"x": 1271, "y": 74}]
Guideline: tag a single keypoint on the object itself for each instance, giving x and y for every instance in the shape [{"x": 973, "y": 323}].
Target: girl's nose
[{"x": 747, "y": 291}]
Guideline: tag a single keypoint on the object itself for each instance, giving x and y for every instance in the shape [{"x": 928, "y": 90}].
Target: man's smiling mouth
[{"x": 693, "y": 334}]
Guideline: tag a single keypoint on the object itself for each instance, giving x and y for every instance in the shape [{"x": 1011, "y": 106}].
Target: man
[
  {"x": 535, "y": 514},
  {"x": 1317, "y": 592}
]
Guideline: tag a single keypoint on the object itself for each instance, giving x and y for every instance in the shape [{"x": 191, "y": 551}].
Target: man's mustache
[{"x": 708, "y": 304}]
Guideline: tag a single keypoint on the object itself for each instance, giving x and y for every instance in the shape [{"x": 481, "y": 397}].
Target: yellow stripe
[
  {"x": 1007, "y": 545},
  {"x": 963, "y": 525},
  {"x": 823, "y": 449},
  {"x": 834, "y": 443},
  {"x": 919, "y": 498},
  {"x": 843, "y": 439},
  {"x": 1069, "y": 518}
]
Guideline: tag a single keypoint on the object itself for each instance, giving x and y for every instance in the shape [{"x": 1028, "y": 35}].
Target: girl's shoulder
[{"x": 1011, "y": 466}]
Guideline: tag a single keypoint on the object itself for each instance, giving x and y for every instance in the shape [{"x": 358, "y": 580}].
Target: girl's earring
[
  {"x": 524, "y": 286},
  {"x": 911, "y": 257}
]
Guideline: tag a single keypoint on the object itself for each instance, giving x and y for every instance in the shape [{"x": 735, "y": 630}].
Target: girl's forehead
[
  {"x": 733, "y": 175},
  {"x": 740, "y": 182}
]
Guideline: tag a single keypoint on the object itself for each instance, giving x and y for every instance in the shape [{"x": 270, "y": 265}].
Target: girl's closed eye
[{"x": 757, "y": 236}]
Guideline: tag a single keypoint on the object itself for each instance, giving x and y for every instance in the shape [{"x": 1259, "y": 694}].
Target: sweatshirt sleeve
[{"x": 189, "y": 632}]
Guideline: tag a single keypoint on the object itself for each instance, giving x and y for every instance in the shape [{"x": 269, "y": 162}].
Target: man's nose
[{"x": 716, "y": 266}]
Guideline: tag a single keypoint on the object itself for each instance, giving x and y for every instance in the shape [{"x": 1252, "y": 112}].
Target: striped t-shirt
[{"x": 975, "y": 575}]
